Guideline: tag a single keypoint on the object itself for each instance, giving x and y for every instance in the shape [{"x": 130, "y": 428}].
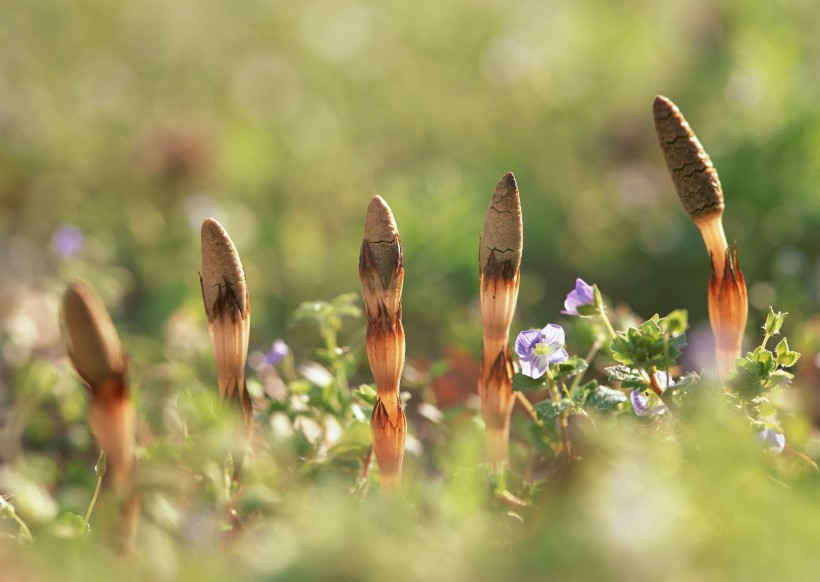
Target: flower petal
[
  {"x": 553, "y": 334},
  {"x": 558, "y": 356},
  {"x": 640, "y": 403},
  {"x": 582, "y": 295},
  {"x": 774, "y": 441},
  {"x": 646, "y": 405},
  {"x": 533, "y": 366},
  {"x": 525, "y": 342}
]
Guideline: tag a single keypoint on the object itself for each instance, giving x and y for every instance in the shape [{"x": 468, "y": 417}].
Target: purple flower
[
  {"x": 582, "y": 295},
  {"x": 646, "y": 402},
  {"x": 277, "y": 353},
  {"x": 67, "y": 241},
  {"x": 538, "y": 348},
  {"x": 774, "y": 441}
]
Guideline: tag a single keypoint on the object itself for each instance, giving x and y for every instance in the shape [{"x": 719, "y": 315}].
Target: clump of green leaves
[
  {"x": 761, "y": 371},
  {"x": 656, "y": 343}
]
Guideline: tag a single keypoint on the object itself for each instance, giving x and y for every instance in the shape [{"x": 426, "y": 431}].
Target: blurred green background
[{"x": 131, "y": 121}]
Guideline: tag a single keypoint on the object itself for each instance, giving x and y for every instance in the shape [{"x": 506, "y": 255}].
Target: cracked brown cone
[
  {"x": 95, "y": 351},
  {"x": 500, "y": 249},
  {"x": 381, "y": 269},
  {"x": 700, "y": 192},
  {"x": 694, "y": 177}
]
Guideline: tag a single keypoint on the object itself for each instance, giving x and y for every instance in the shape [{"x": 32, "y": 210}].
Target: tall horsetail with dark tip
[
  {"x": 700, "y": 192},
  {"x": 499, "y": 259},
  {"x": 95, "y": 351},
  {"x": 381, "y": 269}
]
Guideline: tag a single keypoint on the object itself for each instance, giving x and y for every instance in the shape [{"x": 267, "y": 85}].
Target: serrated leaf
[
  {"x": 572, "y": 367},
  {"x": 628, "y": 377},
  {"x": 604, "y": 398},
  {"x": 580, "y": 395},
  {"x": 549, "y": 410}
]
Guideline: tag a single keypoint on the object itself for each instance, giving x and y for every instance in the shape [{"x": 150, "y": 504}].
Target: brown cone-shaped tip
[
  {"x": 90, "y": 337},
  {"x": 693, "y": 174},
  {"x": 224, "y": 289},
  {"x": 502, "y": 237},
  {"x": 381, "y": 240}
]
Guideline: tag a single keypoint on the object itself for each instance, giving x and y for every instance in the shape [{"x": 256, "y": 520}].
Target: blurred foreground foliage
[{"x": 689, "y": 495}]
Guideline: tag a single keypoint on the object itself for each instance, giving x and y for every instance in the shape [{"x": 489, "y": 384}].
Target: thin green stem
[
  {"x": 13, "y": 514},
  {"x": 563, "y": 422},
  {"x": 527, "y": 406},
  {"x": 93, "y": 499},
  {"x": 596, "y": 345},
  {"x": 607, "y": 324}
]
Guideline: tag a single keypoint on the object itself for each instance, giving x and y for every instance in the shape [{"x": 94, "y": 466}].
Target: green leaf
[
  {"x": 354, "y": 443},
  {"x": 71, "y": 526},
  {"x": 650, "y": 344},
  {"x": 598, "y": 299},
  {"x": 588, "y": 310},
  {"x": 524, "y": 383},
  {"x": 549, "y": 410},
  {"x": 677, "y": 322},
  {"x": 604, "y": 398},
  {"x": 366, "y": 394},
  {"x": 580, "y": 394},
  {"x": 572, "y": 367},
  {"x": 628, "y": 377},
  {"x": 785, "y": 357}
]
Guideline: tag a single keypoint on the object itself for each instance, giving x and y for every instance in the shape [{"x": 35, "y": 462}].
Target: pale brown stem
[{"x": 711, "y": 228}]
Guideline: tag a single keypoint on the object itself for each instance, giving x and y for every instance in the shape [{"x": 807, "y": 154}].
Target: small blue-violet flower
[
  {"x": 538, "y": 348},
  {"x": 646, "y": 402},
  {"x": 773, "y": 441},
  {"x": 581, "y": 295},
  {"x": 277, "y": 353},
  {"x": 68, "y": 241}
]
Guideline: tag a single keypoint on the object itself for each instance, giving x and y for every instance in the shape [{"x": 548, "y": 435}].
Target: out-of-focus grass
[
  {"x": 135, "y": 120},
  {"x": 702, "y": 501}
]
